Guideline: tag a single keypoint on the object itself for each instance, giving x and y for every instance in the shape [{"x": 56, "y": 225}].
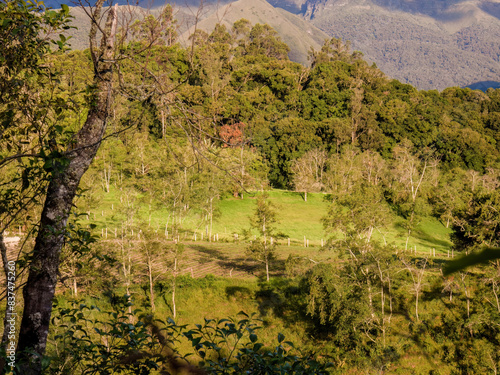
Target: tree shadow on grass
[
  {"x": 236, "y": 263},
  {"x": 211, "y": 252},
  {"x": 283, "y": 298},
  {"x": 238, "y": 292},
  {"x": 295, "y": 194},
  {"x": 430, "y": 239}
]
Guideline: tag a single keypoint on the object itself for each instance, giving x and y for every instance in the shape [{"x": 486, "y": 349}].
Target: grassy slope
[
  {"x": 297, "y": 219},
  {"x": 276, "y": 303}
]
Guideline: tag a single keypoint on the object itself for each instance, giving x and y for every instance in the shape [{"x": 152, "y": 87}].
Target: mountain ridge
[
  {"x": 431, "y": 45},
  {"x": 294, "y": 31}
]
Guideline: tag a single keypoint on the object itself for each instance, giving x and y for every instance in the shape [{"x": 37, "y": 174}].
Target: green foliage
[
  {"x": 351, "y": 301},
  {"x": 24, "y": 26},
  {"x": 33, "y": 108},
  {"x": 358, "y": 213},
  {"x": 476, "y": 222},
  {"x": 227, "y": 346},
  {"x": 117, "y": 342},
  {"x": 263, "y": 247},
  {"x": 131, "y": 343},
  {"x": 334, "y": 50},
  {"x": 264, "y": 40}
]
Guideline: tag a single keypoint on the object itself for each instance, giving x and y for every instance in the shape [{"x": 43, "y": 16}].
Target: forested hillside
[
  {"x": 430, "y": 44},
  {"x": 178, "y": 138}
]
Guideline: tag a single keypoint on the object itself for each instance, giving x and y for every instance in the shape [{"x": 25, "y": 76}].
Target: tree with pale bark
[
  {"x": 263, "y": 247},
  {"x": 308, "y": 171},
  {"x": 414, "y": 175}
]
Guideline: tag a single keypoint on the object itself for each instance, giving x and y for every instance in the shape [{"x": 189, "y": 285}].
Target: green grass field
[
  {"x": 218, "y": 280},
  {"x": 298, "y": 219}
]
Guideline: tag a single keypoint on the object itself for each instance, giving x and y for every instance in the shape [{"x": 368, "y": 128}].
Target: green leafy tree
[
  {"x": 355, "y": 181},
  {"x": 264, "y": 40},
  {"x": 334, "y": 50},
  {"x": 477, "y": 222},
  {"x": 153, "y": 259},
  {"x": 32, "y": 138},
  {"x": 160, "y": 30},
  {"x": 358, "y": 213},
  {"x": 264, "y": 246},
  {"x": 352, "y": 301}
]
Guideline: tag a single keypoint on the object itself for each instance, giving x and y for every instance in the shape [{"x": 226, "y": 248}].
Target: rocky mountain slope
[
  {"x": 297, "y": 33},
  {"x": 430, "y": 44}
]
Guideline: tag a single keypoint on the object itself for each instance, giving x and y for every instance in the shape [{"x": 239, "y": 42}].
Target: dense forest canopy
[
  {"x": 184, "y": 127},
  {"x": 243, "y": 76}
]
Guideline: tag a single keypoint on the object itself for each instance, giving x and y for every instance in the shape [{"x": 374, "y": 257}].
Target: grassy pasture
[
  {"x": 218, "y": 280},
  {"x": 298, "y": 220}
]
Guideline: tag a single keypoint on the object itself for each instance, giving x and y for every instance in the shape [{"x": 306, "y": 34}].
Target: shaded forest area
[{"x": 225, "y": 117}]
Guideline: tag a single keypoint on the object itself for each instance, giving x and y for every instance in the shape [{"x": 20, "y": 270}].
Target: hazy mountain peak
[{"x": 295, "y": 31}]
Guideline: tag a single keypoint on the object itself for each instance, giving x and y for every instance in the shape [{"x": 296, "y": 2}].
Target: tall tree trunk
[
  {"x": 267, "y": 269},
  {"x": 151, "y": 284},
  {"x": 174, "y": 309},
  {"x": 41, "y": 285},
  {"x": 5, "y": 262}
]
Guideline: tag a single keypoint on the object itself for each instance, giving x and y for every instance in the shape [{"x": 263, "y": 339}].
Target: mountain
[
  {"x": 185, "y": 17},
  {"x": 298, "y": 34},
  {"x": 431, "y": 44}
]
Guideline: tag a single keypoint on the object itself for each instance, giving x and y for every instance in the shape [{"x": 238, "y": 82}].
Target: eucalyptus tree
[
  {"x": 263, "y": 247},
  {"x": 308, "y": 171},
  {"x": 414, "y": 175}
]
